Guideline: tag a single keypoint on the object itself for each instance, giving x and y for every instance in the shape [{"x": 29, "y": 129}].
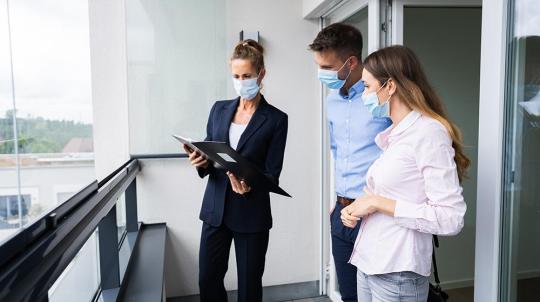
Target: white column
[
  {"x": 109, "y": 84},
  {"x": 490, "y": 150}
]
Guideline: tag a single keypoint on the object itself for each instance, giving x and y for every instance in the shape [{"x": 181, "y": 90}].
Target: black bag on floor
[{"x": 436, "y": 294}]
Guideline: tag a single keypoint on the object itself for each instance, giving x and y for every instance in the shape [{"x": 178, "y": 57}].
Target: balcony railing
[
  {"x": 35, "y": 257},
  {"x": 34, "y": 262}
]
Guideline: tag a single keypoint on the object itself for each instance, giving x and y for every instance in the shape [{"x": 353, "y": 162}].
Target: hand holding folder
[{"x": 222, "y": 154}]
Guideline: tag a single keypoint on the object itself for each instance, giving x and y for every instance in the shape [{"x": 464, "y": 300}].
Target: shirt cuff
[{"x": 406, "y": 214}]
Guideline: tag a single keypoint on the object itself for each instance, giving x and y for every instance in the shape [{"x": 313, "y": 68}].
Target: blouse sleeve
[{"x": 443, "y": 212}]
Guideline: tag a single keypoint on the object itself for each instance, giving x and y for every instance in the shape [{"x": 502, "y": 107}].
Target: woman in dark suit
[{"x": 231, "y": 209}]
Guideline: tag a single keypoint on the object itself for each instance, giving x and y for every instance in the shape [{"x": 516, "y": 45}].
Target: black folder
[{"x": 222, "y": 154}]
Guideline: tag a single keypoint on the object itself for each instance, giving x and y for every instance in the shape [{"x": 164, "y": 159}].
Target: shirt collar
[
  {"x": 384, "y": 138},
  {"x": 355, "y": 89}
]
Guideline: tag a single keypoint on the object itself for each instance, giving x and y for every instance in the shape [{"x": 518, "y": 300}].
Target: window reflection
[{"x": 521, "y": 247}]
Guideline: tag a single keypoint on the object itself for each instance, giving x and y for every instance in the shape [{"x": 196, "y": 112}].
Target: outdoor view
[{"x": 46, "y": 146}]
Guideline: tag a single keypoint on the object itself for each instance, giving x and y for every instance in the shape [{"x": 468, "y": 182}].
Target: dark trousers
[
  {"x": 343, "y": 239},
  {"x": 214, "y": 258}
]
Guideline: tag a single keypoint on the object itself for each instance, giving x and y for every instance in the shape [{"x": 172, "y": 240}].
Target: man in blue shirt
[{"x": 337, "y": 50}]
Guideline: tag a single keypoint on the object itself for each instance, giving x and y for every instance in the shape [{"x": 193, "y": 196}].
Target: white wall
[
  {"x": 313, "y": 8},
  {"x": 490, "y": 142},
  {"x": 109, "y": 84},
  {"x": 292, "y": 85}
]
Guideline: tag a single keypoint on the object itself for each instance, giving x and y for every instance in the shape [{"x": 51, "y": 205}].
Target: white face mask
[
  {"x": 330, "y": 77},
  {"x": 246, "y": 89},
  {"x": 372, "y": 102}
]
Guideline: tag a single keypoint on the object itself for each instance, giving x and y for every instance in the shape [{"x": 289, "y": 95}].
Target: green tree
[{"x": 39, "y": 135}]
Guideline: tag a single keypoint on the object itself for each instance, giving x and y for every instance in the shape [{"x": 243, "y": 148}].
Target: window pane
[
  {"x": 8, "y": 173},
  {"x": 51, "y": 70},
  {"x": 520, "y": 273},
  {"x": 80, "y": 280},
  {"x": 360, "y": 21},
  {"x": 177, "y": 68}
]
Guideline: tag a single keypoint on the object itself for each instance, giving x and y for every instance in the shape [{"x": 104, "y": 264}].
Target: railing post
[
  {"x": 132, "y": 223},
  {"x": 108, "y": 251}
]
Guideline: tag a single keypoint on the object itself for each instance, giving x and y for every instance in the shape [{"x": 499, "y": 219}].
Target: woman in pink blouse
[{"x": 413, "y": 189}]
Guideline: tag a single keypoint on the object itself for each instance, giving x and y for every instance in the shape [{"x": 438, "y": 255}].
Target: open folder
[{"x": 222, "y": 154}]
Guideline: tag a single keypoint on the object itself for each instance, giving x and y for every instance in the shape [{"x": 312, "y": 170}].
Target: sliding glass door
[{"x": 520, "y": 263}]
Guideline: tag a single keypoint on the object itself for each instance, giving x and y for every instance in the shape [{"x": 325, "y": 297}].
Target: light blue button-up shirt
[{"x": 352, "y": 139}]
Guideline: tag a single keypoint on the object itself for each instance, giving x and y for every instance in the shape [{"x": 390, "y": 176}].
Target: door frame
[
  {"x": 491, "y": 148},
  {"x": 347, "y": 8},
  {"x": 339, "y": 13}
]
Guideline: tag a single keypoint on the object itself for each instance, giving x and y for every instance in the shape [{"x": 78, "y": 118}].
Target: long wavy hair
[{"x": 400, "y": 64}]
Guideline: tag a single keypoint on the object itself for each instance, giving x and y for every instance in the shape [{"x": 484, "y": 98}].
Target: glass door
[
  {"x": 446, "y": 36},
  {"x": 520, "y": 263}
]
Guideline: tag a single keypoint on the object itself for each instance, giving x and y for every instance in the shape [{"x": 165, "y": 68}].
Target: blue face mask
[
  {"x": 371, "y": 101},
  {"x": 246, "y": 89},
  {"x": 330, "y": 77}
]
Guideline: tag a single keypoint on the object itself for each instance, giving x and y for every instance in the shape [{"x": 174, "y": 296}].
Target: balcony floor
[
  {"x": 196, "y": 298},
  {"x": 317, "y": 299}
]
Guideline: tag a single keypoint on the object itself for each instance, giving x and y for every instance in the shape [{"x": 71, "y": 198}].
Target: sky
[{"x": 51, "y": 59}]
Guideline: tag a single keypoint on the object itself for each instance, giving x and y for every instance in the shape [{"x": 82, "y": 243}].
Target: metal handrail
[
  {"x": 33, "y": 258},
  {"x": 159, "y": 156}
]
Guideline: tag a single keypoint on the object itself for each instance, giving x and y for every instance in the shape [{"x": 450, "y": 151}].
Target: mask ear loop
[
  {"x": 377, "y": 92},
  {"x": 258, "y": 75},
  {"x": 389, "y": 96},
  {"x": 388, "y": 99},
  {"x": 342, "y": 68}
]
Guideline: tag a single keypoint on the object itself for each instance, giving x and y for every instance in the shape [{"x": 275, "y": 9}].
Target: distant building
[
  {"x": 46, "y": 181},
  {"x": 79, "y": 145}
]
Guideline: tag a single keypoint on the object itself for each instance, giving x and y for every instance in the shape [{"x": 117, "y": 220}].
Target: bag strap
[{"x": 435, "y": 271}]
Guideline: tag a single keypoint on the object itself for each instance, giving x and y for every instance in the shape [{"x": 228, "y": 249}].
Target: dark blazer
[{"x": 262, "y": 143}]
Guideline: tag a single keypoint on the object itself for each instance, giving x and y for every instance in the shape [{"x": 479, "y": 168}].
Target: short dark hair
[{"x": 342, "y": 38}]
